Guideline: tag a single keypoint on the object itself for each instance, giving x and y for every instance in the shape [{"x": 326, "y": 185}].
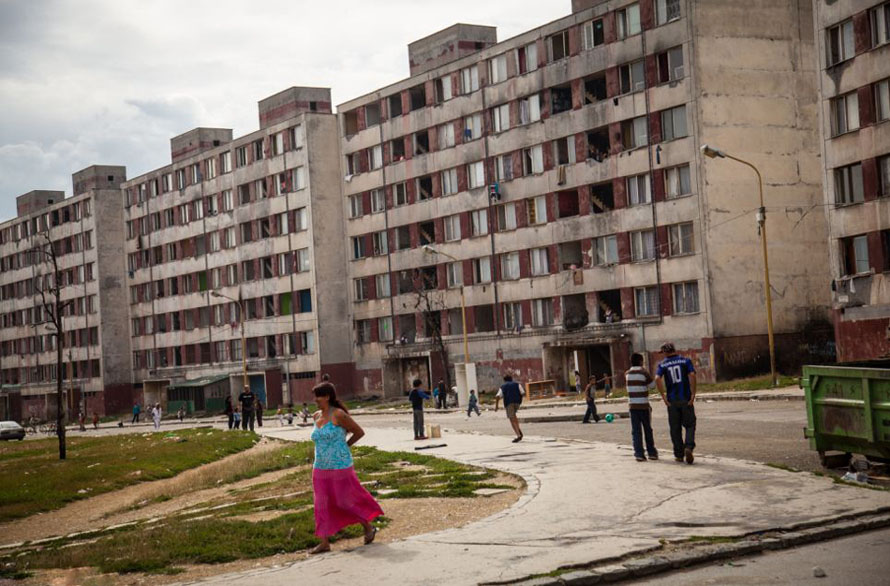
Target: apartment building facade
[
  {"x": 230, "y": 267},
  {"x": 554, "y": 182},
  {"x": 86, "y": 235},
  {"x": 853, "y": 62}
]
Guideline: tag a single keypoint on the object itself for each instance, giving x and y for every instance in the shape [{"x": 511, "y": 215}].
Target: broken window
[
  {"x": 445, "y": 134},
  {"x": 575, "y": 314},
  {"x": 558, "y": 45},
  {"x": 407, "y": 328},
  {"x": 350, "y": 122},
  {"x": 595, "y": 89},
  {"x": 406, "y": 282},
  {"x": 427, "y": 232},
  {"x": 267, "y": 267},
  {"x": 484, "y": 318},
  {"x": 472, "y": 127},
  {"x": 609, "y": 309},
  {"x": 848, "y": 186},
  {"x": 429, "y": 278},
  {"x": 248, "y": 270},
  {"x": 506, "y": 216},
  {"x": 560, "y": 99},
  {"x": 564, "y": 150},
  {"x": 666, "y": 11},
  {"x": 402, "y": 238},
  {"x": 845, "y": 113},
  {"x": 421, "y": 142},
  {"x": 418, "y": 97},
  {"x": 397, "y": 148},
  {"x": 570, "y": 256},
  {"x": 269, "y": 306},
  {"x": 372, "y": 114},
  {"x": 598, "y": 144},
  {"x": 395, "y": 105},
  {"x": 424, "y": 188}
]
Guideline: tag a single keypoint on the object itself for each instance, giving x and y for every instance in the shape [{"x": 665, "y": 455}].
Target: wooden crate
[{"x": 541, "y": 389}]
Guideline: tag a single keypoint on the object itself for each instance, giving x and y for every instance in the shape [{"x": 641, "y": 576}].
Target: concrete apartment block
[
  {"x": 852, "y": 59},
  {"x": 246, "y": 224},
  {"x": 96, "y": 343},
  {"x": 608, "y": 232}
]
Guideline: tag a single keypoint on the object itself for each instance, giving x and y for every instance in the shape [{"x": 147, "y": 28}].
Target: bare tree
[
  {"x": 430, "y": 303},
  {"x": 53, "y": 309}
]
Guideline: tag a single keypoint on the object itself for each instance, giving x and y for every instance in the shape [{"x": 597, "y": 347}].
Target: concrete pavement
[{"x": 585, "y": 502}]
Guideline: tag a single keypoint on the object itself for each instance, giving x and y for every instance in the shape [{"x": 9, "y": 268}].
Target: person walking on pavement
[
  {"x": 136, "y": 411},
  {"x": 230, "y": 411},
  {"x": 416, "y": 396},
  {"x": 340, "y": 499},
  {"x": 590, "y": 397},
  {"x": 675, "y": 378},
  {"x": 578, "y": 383},
  {"x": 248, "y": 401},
  {"x": 512, "y": 394},
  {"x": 156, "y": 416},
  {"x": 473, "y": 404},
  {"x": 442, "y": 398},
  {"x": 607, "y": 384},
  {"x": 259, "y": 413},
  {"x": 236, "y": 417},
  {"x": 639, "y": 383}
]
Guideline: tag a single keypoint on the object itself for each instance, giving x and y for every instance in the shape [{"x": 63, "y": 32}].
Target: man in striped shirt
[{"x": 639, "y": 382}]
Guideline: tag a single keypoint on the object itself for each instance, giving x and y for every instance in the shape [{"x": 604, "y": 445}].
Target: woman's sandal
[
  {"x": 370, "y": 535},
  {"x": 320, "y": 548}
]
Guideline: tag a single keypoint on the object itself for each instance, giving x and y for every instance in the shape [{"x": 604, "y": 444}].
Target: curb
[{"x": 632, "y": 567}]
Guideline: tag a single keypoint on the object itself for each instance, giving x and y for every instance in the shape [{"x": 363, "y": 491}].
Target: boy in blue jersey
[{"x": 675, "y": 378}]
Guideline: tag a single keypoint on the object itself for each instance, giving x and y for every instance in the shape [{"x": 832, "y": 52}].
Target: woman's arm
[{"x": 343, "y": 419}]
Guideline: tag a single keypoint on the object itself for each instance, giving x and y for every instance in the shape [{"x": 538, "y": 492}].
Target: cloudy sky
[{"x": 111, "y": 81}]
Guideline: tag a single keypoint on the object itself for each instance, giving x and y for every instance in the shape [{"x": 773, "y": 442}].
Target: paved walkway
[{"x": 585, "y": 502}]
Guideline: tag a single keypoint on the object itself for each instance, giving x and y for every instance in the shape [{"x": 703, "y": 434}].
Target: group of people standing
[
  {"x": 248, "y": 410},
  {"x": 155, "y": 412}
]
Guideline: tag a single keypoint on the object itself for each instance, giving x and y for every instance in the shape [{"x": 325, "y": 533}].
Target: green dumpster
[{"x": 848, "y": 409}]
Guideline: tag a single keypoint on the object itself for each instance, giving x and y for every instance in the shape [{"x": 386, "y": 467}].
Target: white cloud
[{"x": 110, "y": 82}]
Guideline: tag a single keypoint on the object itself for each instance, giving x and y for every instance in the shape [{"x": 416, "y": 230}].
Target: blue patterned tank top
[{"x": 331, "y": 451}]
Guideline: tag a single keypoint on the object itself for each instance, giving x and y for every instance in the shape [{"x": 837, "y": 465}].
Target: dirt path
[{"x": 106, "y": 510}]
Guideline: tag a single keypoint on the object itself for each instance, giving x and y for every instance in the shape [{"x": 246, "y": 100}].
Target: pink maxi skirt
[{"x": 340, "y": 501}]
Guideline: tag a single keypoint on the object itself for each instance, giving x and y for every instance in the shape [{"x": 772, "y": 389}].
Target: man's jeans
[
  {"x": 591, "y": 412},
  {"x": 418, "y": 423},
  {"x": 641, "y": 425},
  {"x": 681, "y": 415},
  {"x": 247, "y": 420}
]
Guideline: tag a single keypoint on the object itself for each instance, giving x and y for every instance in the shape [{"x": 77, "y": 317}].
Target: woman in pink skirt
[{"x": 340, "y": 499}]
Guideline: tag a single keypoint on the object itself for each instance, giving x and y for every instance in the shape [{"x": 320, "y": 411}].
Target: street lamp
[
  {"x": 243, "y": 342},
  {"x": 714, "y": 153},
  {"x": 463, "y": 307}
]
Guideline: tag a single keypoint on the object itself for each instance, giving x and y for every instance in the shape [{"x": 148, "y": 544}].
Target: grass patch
[
  {"x": 782, "y": 467},
  {"x": 711, "y": 539},
  {"x": 757, "y": 383},
  {"x": 33, "y": 479}
]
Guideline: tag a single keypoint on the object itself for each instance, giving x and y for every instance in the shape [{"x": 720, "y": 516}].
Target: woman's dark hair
[{"x": 326, "y": 389}]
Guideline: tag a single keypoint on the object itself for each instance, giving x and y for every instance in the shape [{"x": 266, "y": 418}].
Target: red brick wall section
[
  {"x": 577, "y": 93},
  {"x": 866, "y": 106},
  {"x": 580, "y": 147},
  {"x": 610, "y": 31},
  {"x": 875, "y": 252},
  {"x": 654, "y": 127},
  {"x": 627, "y": 303},
  {"x": 870, "y": 179},
  {"x": 574, "y": 40},
  {"x": 658, "y": 185},
  {"x": 273, "y": 389},
  {"x": 861, "y": 32},
  {"x": 667, "y": 306},
  {"x": 862, "y": 339},
  {"x": 343, "y": 376},
  {"x": 651, "y": 67},
  {"x": 615, "y": 137},
  {"x": 623, "y": 247},
  {"x": 619, "y": 192},
  {"x": 612, "y": 85},
  {"x": 647, "y": 14}
]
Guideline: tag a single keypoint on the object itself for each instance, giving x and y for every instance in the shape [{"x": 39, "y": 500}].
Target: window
[
  {"x": 673, "y": 123},
  {"x": 628, "y": 20},
  {"x": 454, "y": 273},
  {"x": 307, "y": 342},
  {"x": 500, "y": 117},
  {"x": 542, "y": 312},
  {"x": 533, "y": 160},
  {"x": 594, "y": 34},
  {"x": 642, "y": 245},
  {"x": 646, "y": 301},
  {"x": 381, "y": 243},
  {"x": 634, "y": 133},
  {"x": 400, "y": 193},
  {"x": 243, "y": 194},
  {"x": 375, "y": 156},
  {"x": 469, "y": 79},
  {"x": 845, "y": 113},
  {"x": 537, "y": 210},
  {"x": 301, "y": 220},
  {"x": 212, "y": 206},
  {"x": 670, "y": 65},
  {"x": 854, "y": 255},
  {"x": 680, "y": 239},
  {"x": 506, "y": 217},
  {"x": 258, "y": 150},
  {"x": 666, "y": 11},
  {"x": 527, "y": 58},
  {"x": 363, "y": 331},
  {"x": 452, "y": 228},
  {"x": 479, "y": 222},
  {"x": 530, "y": 109},
  {"x": 361, "y": 289},
  {"x": 540, "y": 261},
  {"x": 225, "y": 162},
  {"x": 884, "y": 178},
  {"x": 564, "y": 150},
  {"x": 427, "y": 232},
  {"x": 228, "y": 202},
  {"x": 560, "y": 99},
  {"x": 606, "y": 250},
  {"x": 209, "y": 168},
  {"x": 382, "y": 283},
  {"x": 358, "y": 247},
  {"x": 214, "y": 241},
  {"x": 296, "y": 137},
  {"x": 402, "y": 238},
  {"x": 241, "y": 156},
  {"x": 299, "y": 179},
  {"x": 512, "y": 316},
  {"x": 880, "y": 24},
  {"x": 384, "y": 329},
  {"x": 482, "y": 270},
  {"x": 445, "y": 136},
  {"x": 198, "y": 209},
  {"x": 558, "y": 46},
  {"x": 372, "y": 115},
  {"x": 632, "y": 77},
  {"x": 443, "y": 89},
  {"x": 503, "y": 168},
  {"x": 180, "y": 180},
  {"x": 421, "y": 142},
  {"x": 676, "y": 181},
  {"x": 882, "y": 99},
  {"x": 638, "y": 190},
  {"x": 395, "y": 105},
  {"x": 476, "y": 174},
  {"x": 497, "y": 69},
  {"x": 260, "y": 189},
  {"x": 449, "y": 182},
  {"x": 840, "y": 45},
  {"x": 686, "y": 297},
  {"x": 303, "y": 260},
  {"x": 353, "y": 164},
  {"x": 848, "y": 187},
  {"x": 472, "y": 127}
]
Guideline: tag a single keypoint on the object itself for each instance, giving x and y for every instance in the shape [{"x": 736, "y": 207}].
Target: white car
[{"x": 10, "y": 430}]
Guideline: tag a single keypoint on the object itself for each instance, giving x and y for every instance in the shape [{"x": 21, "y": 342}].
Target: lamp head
[
  {"x": 712, "y": 152},
  {"x": 429, "y": 249},
  {"x": 215, "y": 294}
]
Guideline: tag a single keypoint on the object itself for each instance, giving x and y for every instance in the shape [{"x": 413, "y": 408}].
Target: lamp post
[
  {"x": 712, "y": 152},
  {"x": 241, "y": 320},
  {"x": 463, "y": 307}
]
